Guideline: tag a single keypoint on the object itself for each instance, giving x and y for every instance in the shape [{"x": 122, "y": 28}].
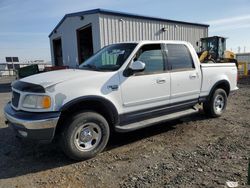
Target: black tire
[
  {"x": 213, "y": 108},
  {"x": 90, "y": 123}
]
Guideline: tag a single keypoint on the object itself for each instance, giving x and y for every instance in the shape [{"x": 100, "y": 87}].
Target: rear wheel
[
  {"x": 216, "y": 105},
  {"x": 85, "y": 135}
]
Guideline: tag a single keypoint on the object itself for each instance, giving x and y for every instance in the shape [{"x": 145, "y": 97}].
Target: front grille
[{"x": 15, "y": 98}]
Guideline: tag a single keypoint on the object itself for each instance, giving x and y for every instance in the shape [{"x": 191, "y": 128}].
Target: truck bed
[{"x": 215, "y": 72}]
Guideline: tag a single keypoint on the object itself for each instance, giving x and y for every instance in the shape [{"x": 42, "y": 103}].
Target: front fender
[{"x": 92, "y": 98}]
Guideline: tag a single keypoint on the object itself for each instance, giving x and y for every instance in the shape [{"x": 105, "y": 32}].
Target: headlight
[{"x": 37, "y": 101}]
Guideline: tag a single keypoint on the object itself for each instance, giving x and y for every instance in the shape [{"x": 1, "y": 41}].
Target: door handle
[
  {"x": 192, "y": 76},
  {"x": 160, "y": 81}
]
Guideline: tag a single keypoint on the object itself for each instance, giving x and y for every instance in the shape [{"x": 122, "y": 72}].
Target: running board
[{"x": 152, "y": 121}]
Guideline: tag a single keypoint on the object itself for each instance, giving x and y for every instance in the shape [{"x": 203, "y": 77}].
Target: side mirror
[{"x": 137, "y": 66}]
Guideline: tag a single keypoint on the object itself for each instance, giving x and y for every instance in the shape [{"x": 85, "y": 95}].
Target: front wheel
[
  {"x": 85, "y": 135},
  {"x": 216, "y": 105}
]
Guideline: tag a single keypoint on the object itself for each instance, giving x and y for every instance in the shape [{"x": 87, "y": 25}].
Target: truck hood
[{"x": 49, "y": 79}]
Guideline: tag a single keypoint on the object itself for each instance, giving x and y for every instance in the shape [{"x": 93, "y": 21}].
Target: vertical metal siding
[
  {"x": 121, "y": 29},
  {"x": 67, "y": 32},
  {"x": 108, "y": 29}
]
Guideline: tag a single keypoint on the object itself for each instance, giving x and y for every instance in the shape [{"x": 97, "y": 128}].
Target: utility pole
[{"x": 239, "y": 49}]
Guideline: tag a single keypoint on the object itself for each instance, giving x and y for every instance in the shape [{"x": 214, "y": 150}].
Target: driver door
[{"x": 149, "y": 88}]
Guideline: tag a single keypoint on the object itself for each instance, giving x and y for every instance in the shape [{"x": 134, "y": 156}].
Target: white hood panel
[{"x": 51, "y": 78}]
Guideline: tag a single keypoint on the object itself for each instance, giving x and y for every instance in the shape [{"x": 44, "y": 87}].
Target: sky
[{"x": 26, "y": 24}]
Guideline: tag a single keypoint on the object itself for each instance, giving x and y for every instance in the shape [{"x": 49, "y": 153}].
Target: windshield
[
  {"x": 210, "y": 45},
  {"x": 110, "y": 58}
]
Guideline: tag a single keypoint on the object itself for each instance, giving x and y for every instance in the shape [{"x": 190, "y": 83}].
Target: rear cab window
[{"x": 179, "y": 57}]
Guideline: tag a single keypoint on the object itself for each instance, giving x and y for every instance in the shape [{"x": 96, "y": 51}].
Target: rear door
[{"x": 185, "y": 78}]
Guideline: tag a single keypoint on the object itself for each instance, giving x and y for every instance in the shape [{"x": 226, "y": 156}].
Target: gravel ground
[{"x": 196, "y": 151}]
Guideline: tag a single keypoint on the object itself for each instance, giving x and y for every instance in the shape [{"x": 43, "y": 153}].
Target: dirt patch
[{"x": 192, "y": 152}]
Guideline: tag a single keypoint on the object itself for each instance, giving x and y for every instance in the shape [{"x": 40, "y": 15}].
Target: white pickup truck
[{"x": 123, "y": 87}]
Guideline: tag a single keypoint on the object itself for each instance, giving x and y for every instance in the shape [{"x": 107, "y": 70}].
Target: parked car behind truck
[{"x": 124, "y": 87}]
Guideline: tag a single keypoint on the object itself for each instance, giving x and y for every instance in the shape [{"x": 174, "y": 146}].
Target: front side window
[
  {"x": 152, "y": 56},
  {"x": 110, "y": 58},
  {"x": 179, "y": 57}
]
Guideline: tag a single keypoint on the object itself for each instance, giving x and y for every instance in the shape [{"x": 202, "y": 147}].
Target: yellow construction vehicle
[{"x": 213, "y": 50}]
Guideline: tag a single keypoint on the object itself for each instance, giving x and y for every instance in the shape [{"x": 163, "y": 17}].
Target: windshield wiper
[{"x": 90, "y": 66}]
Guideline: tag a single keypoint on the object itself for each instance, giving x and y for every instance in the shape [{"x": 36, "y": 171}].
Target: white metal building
[{"x": 78, "y": 35}]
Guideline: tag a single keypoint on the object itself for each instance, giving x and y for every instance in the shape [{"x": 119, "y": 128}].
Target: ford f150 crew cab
[{"x": 123, "y": 87}]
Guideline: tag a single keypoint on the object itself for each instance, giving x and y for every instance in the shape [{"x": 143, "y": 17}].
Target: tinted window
[
  {"x": 179, "y": 56},
  {"x": 152, "y": 56}
]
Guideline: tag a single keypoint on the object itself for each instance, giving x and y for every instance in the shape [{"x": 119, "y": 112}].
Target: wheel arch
[
  {"x": 223, "y": 84},
  {"x": 93, "y": 103}
]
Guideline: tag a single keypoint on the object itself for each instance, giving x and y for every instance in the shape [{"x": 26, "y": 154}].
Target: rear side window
[
  {"x": 152, "y": 56},
  {"x": 179, "y": 57}
]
